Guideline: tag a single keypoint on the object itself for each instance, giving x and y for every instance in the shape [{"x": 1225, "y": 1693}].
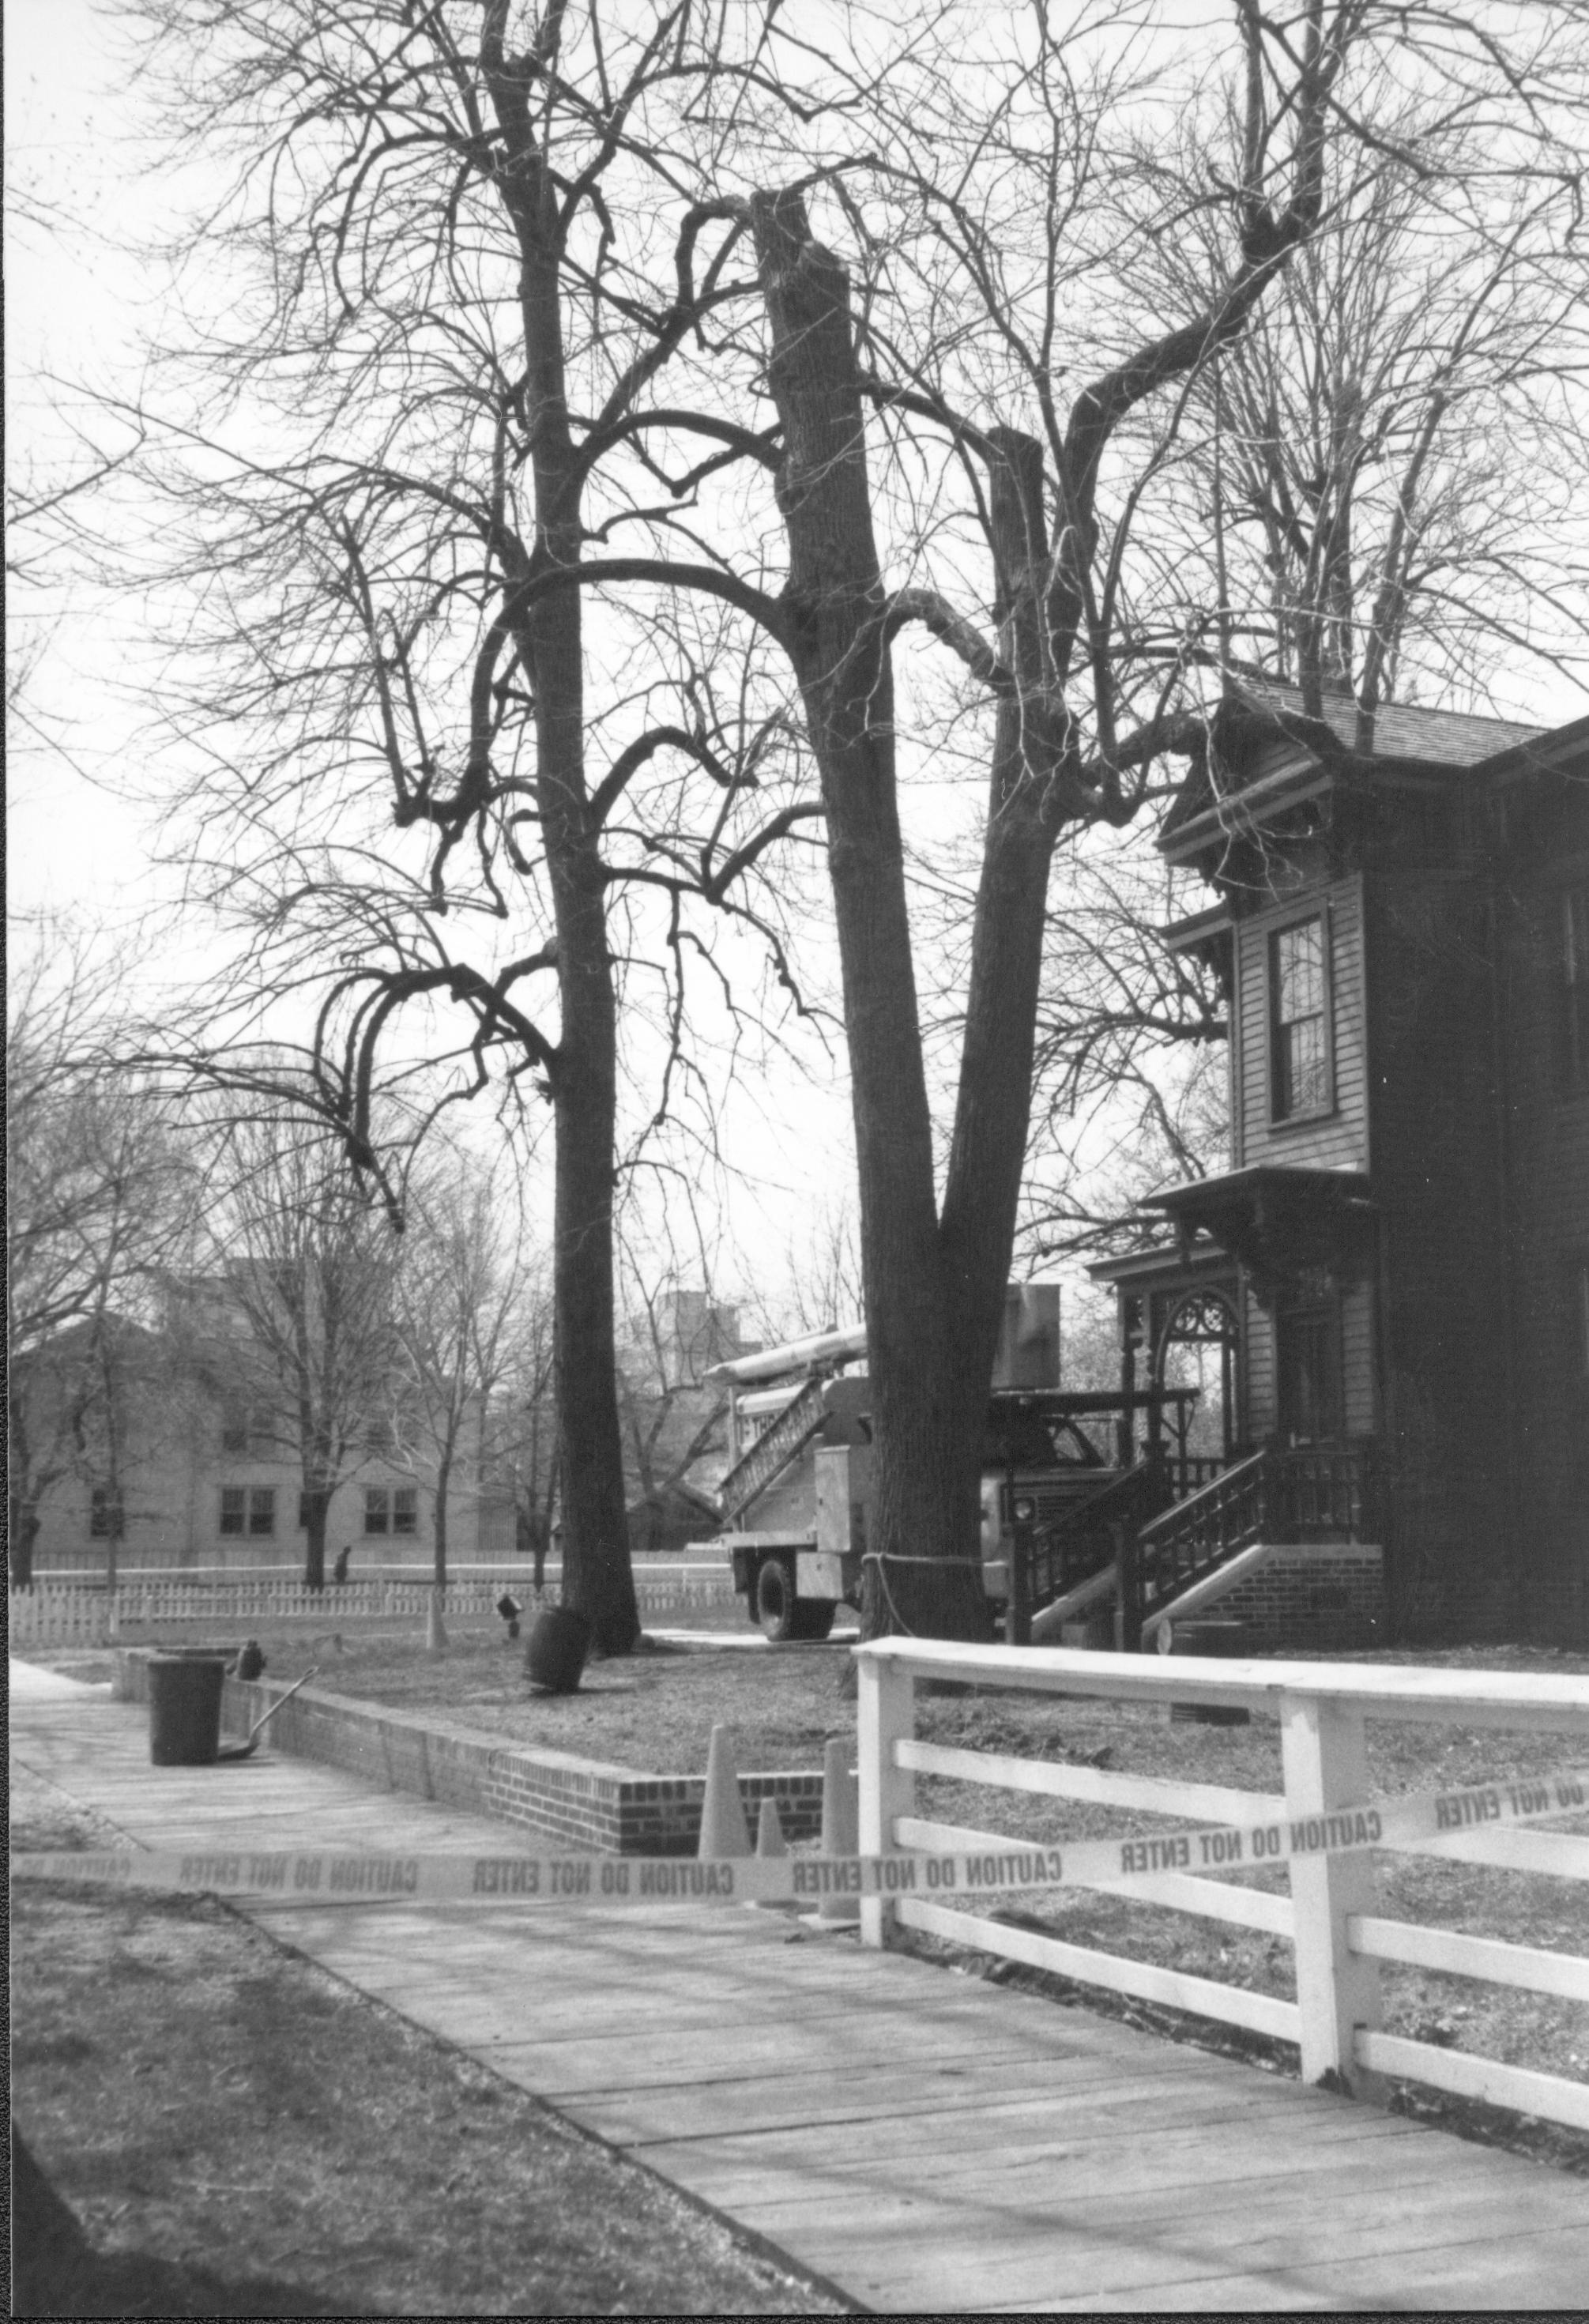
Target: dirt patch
[
  {"x": 652, "y": 1710},
  {"x": 221, "y": 2129}
]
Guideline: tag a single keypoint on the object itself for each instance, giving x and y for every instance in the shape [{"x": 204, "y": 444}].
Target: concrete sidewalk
[{"x": 920, "y": 2140}]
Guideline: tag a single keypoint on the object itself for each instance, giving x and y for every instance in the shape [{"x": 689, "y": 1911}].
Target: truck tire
[
  {"x": 776, "y": 1607},
  {"x": 781, "y": 1613}
]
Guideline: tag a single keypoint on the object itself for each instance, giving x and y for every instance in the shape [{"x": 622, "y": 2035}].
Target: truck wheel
[
  {"x": 777, "y": 1607},
  {"x": 813, "y": 1618}
]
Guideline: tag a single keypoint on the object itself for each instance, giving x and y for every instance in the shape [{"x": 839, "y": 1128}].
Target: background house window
[
  {"x": 1575, "y": 989},
  {"x": 247, "y": 1428},
  {"x": 107, "y": 1519},
  {"x": 248, "y": 1509},
  {"x": 1299, "y": 1020},
  {"x": 396, "y": 1511}
]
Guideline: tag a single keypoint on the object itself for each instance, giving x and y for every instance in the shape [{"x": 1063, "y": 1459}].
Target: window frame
[
  {"x": 398, "y": 1508},
  {"x": 247, "y": 1513},
  {"x": 1294, "y": 1118}
]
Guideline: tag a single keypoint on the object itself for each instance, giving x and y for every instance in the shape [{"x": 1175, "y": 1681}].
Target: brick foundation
[
  {"x": 583, "y": 1803},
  {"x": 1317, "y": 1598}
]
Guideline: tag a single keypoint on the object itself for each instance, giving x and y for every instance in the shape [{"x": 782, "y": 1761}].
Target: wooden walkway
[{"x": 919, "y": 2140}]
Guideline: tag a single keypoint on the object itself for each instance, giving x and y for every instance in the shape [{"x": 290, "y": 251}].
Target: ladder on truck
[{"x": 782, "y": 1442}]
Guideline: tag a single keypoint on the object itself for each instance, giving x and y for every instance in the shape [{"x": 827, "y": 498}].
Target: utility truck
[{"x": 798, "y": 1498}]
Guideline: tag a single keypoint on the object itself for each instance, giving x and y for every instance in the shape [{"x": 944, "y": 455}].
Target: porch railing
[
  {"x": 1051, "y": 1559},
  {"x": 1314, "y": 1493}
]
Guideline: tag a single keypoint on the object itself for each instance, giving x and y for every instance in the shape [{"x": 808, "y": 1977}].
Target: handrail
[
  {"x": 1332, "y": 1917},
  {"x": 1210, "y": 1496}
]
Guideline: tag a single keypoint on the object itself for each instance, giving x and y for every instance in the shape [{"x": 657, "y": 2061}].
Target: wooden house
[{"x": 1395, "y": 1266}]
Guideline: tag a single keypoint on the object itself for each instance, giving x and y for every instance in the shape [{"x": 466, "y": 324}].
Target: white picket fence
[
  {"x": 1331, "y": 1918},
  {"x": 63, "y": 1614}
]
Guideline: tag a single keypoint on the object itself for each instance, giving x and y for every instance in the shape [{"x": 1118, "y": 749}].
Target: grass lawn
[{"x": 238, "y": 2133}]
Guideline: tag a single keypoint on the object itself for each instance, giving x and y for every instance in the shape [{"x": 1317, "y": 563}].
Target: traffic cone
[
  {"x": 841, "y": 1823},
  {"x": 434, "y": 1636},
  {"x": 724, "y": 1829},
  {"x": 770, "y": 1841}
]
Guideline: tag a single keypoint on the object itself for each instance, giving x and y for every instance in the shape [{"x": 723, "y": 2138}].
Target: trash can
[
  {"x": 555, "y": 1656},
  {"x": 185, "y": 1709}
]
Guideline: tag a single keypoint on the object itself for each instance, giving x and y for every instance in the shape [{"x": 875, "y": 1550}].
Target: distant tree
[
  {"x": 98, "y": 1206},
  {"x": 673, "y": 1417},
  {"x": 1382, "y": 480},
  {"x": 461, "y": 1288},
  {"x": 292, "y": 1306}
]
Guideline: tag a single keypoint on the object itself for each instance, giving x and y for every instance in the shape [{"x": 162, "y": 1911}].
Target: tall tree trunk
[
  {"x": 924, "y": 1574},
  {"x": 1032, "y": 749},
  {"x": 598, "y": 1578}
]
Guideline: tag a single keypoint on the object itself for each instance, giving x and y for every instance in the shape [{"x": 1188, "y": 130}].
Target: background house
[{"x": 176, "y": 1452}]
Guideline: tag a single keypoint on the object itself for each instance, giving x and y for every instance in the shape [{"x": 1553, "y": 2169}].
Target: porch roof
[{"x": 1272, "y": 1216}]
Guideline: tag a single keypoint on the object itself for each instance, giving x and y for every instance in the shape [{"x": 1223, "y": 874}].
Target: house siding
[
  {"x": 1340, "y": 1139},
  {"x": 1446, "y": 1317},
  {"x": 1548, "y": 1138}
]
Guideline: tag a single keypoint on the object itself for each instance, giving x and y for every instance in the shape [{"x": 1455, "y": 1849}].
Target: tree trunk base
[{"x": 924, "y": 1598}]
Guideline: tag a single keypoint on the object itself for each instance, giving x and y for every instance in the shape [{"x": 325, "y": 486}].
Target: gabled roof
[
  {"x": 1410, "y": 746},
  {"x": 1402, "y": 731}
]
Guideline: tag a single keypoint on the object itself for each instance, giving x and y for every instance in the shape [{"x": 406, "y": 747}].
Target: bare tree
[
  {"x": 962, "y": 331},
  {"x": 291, "y": 1307},
  {"x": 98, "y": 1206},
  {"x": 497, "y": 257},
  {"x": 673, "y": 1335},
  {"x": 461, "y": 1288},
  {"x": 1386, "y": 473},
  {"x": 477, "y": 243}
]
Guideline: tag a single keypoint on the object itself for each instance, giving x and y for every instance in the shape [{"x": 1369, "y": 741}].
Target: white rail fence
[
  {"x": 64, "y": 1614},
  {"x": 1330, "y": 1917}
]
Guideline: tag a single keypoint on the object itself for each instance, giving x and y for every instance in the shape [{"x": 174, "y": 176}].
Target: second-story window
[{"x": 1300, "y": 1080}]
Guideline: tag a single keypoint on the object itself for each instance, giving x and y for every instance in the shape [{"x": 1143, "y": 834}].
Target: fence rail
[
  {"x": 63, "y": 1614},
  {"x": 1331, "y": 1916}
]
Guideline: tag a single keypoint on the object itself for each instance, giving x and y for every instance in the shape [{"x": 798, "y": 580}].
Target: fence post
[
  {"x": 885, "y": 1712},
  {"x": 1337, "y": 1990}
]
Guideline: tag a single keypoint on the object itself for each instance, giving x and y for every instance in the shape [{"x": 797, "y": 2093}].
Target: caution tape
[{"x": 253, "y": 1869}]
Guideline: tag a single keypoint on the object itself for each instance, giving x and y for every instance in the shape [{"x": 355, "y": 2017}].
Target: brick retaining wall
[{"x": 582, "y": 1803}]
